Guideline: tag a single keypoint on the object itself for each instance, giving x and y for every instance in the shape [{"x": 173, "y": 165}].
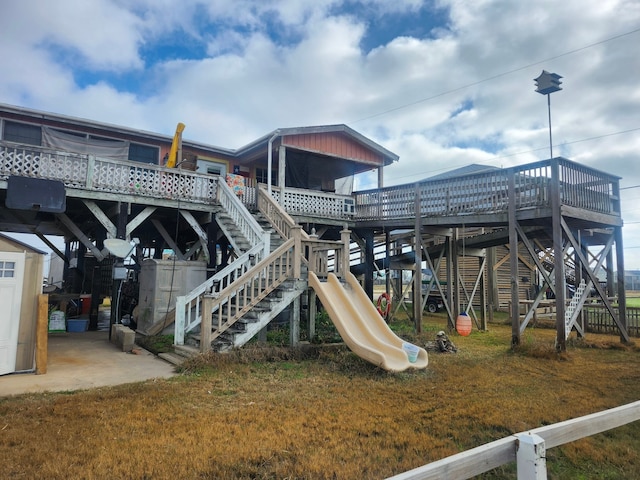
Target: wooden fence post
[
  {"x": 531, "y": 457},
  {"x": 42, "y": 334}
]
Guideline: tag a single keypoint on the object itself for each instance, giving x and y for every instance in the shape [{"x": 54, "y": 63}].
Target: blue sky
[{"x": 441, "y": 83}]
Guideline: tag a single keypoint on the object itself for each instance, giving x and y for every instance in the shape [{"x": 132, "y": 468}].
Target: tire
[{"x": 432, "y": 307}]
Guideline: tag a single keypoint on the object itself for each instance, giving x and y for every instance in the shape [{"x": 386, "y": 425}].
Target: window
[
  {"x": 143, "y": 153},
  {"x": 211, "y": 167},
  {"x": 22, "y": 133},
  {"x": 261, "y": 176},
  {"x": 103, "y": 139},
  {"x": 7, "y": 269},
  {"x": 70, "y": 132}
]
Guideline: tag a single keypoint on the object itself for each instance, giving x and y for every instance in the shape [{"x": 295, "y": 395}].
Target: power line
[
  {"x": 570, "y": 52},
  {"x": 598, "y": 137}
]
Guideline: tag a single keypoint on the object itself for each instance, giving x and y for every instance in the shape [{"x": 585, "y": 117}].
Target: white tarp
[
  {"x": 116, "y": 150},
  {"x": 344, "y": 186}
]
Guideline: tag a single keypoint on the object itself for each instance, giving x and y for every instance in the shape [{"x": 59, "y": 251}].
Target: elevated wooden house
[{"x": 260, "y": 217}]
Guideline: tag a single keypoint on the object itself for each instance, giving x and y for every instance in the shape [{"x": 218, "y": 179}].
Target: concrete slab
[{"x": 79, "y": 361}]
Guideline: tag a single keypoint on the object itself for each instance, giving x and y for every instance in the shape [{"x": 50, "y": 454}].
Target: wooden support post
[
  {"x": 312, "y": 314},
  {"x": 483, "y": 296},
  {"x": 387, "y": 270},
  {"x": 513, "y": 257},
  {"x": 558, "y": 255},
  {"x": 121, "y": 230},
  {"x": 622, "y": 295},
  {"x": 42, "y": 334},
  {"x": 345, "y": 238},
  {"x": 294, "y": 323},
  {"x": 451, "y": 252},
  {"x": 205, "y": 324},
  {"x": 282, "y": 165},
  {"x": 417, "y": 279},
  {"x": 492, "y": 281},
  {"x": 455, "y": 276},
  {"x": 369, "y": 262},
  {"x": 296, "y": 233},
  {"x": 96, "y": 285},
  {"x": 578, "y": 280},
  {"x": 610, "y": 268}
]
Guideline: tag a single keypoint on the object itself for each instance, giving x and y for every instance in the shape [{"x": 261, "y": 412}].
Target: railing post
[
  {"x": 178, "y": 328},
  {"x": 531, "y": 457},
  {"x": 345, "y": 238},
  {"x": 205, "y": 324},
  {"x": 91, "y": 165},
  {"x": 312, "y": 257},
  {"x": 266, "y": 242},
  {"x": 296, "y": 234},
  {"x": 218, "y": 190}
]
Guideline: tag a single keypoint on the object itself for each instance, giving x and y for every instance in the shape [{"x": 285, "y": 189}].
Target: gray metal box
[{"x": 161, "y": 281}]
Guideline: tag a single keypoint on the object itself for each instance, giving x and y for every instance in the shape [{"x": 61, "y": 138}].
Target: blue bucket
[{"x": 77, "y": 325}]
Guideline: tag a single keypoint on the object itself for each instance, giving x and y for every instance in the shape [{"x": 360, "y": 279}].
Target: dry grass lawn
[{"x": 277, "y": 414}]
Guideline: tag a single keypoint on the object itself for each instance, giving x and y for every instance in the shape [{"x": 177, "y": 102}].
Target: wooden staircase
[{"x": 244, "y": 297}]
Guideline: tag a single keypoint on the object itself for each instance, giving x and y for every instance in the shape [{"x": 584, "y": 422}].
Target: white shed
[{"x": 21, "y": 275}]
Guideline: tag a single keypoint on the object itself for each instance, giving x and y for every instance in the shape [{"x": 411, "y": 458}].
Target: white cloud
[{"x": 94, "y": 34}]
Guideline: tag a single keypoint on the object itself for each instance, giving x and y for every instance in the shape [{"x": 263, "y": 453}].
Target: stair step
[
  {"x": 172, "y": 358},
  {"x": 185, "y": 351}
]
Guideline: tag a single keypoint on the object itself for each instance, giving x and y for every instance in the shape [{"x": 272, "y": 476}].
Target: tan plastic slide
[{"x": 361, "y": 326}]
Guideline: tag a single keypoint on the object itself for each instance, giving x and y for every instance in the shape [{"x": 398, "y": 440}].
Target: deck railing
[
  {"x": 479, "y": 193},
  {"x": 599, "y": 320},
  {"x": 319, "y": 256},
  {"x": 277, "y": 216},
  {"x": 298, "y": 201},
  {"x": 488, "y": 193},
  {"x": 87, "y": 172}
]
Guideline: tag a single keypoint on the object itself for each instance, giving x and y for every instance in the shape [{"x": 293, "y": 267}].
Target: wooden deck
[{"x": 481, "y": 199}]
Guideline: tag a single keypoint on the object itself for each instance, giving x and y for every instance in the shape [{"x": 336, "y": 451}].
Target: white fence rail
[{"x": 518, "y": 448}]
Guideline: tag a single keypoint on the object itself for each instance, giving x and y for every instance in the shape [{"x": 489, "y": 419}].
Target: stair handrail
[
  {"x": 315, "y": 251},
  {"x": 279, "y": 218},
  {"x": 249, "y": 227},
  {"x": 251, "y": 286},
  {"x": 248, "y": 290},
  {"x": 576, "y": 303},
  {"x": 189, "y": 307}
]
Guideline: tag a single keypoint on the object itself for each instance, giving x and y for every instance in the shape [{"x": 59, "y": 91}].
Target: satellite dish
[{"x": 119, "y": 248}]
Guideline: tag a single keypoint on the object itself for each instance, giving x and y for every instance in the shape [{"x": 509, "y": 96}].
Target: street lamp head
[{"x": 548, "y": 83}]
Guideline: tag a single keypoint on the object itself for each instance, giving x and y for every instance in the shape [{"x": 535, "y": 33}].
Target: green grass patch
[{"x": 156, "y": 343}]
